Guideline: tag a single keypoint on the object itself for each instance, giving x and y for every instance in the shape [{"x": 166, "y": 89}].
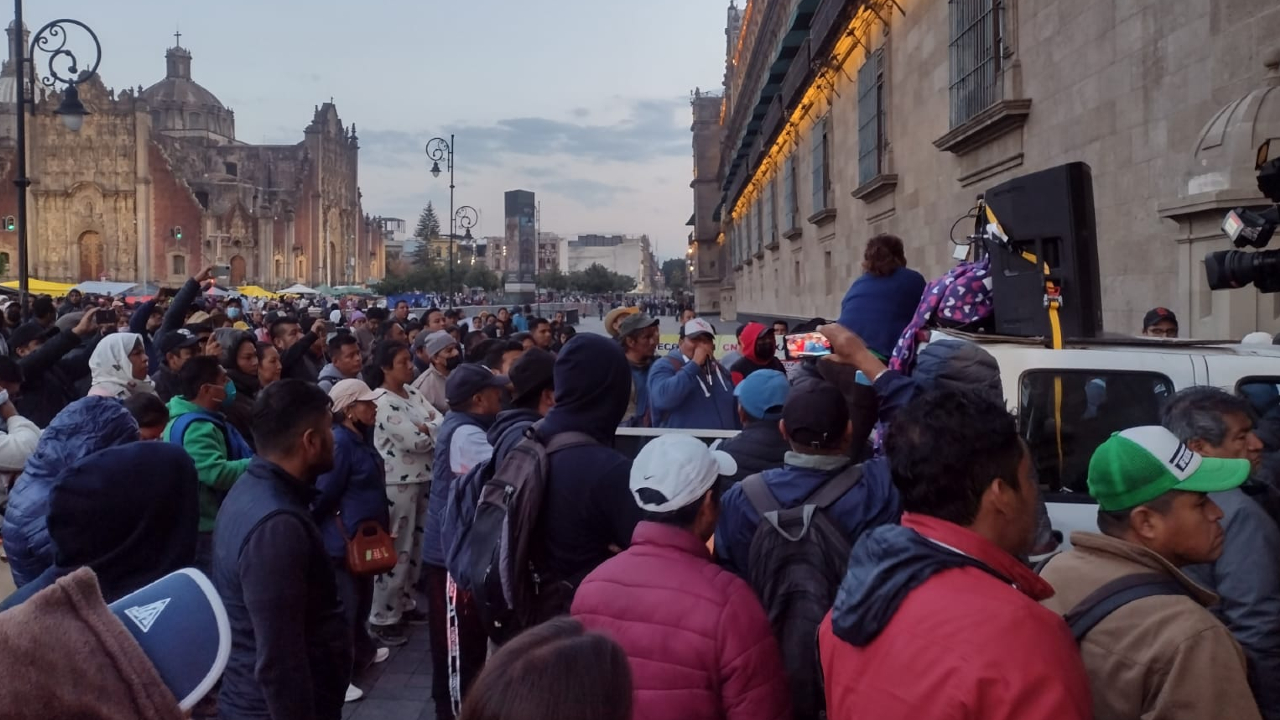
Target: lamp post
[
  {"x": 439, "y": 149},
  {"x": 65, "y": 69},
  {"x": 466, "y": 218}
]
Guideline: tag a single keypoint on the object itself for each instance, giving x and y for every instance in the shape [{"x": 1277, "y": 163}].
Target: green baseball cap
[{"x": 1140, "y": 464}]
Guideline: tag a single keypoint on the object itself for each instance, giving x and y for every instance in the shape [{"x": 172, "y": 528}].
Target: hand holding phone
[
  {"x": 808, "y": 345},
  {"x": 105, "y": 317}
]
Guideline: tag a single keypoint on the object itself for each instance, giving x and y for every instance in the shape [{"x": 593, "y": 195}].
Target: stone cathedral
[{"x": 156, "y": 185}]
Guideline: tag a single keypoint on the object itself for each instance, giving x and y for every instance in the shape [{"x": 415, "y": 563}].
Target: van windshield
[{"x": 1094, "y": 404}]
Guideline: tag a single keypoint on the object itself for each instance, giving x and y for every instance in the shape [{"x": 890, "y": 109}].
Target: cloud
[
  {"x": 581, "y": 112},
  {"x": 584, "y": 191},
  {"x": 651, "y": 128}
]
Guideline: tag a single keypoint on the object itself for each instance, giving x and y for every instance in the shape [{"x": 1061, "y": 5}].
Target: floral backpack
[{"x": 960, "y": 299}]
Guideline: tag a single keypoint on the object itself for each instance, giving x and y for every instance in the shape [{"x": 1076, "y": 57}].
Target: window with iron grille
[
  {"x": 821, "y": 165},
  {"x": 791, "y": 208},
  {"x": 871, "y": 126},
  {"x": 759, "y": 213},
  {"x": 977, "y": 56}
]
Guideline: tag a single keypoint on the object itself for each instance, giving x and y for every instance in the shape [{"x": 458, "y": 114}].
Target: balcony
[
  {"x": 797, "y": 79},
  {"x": 829, "y": 23}
]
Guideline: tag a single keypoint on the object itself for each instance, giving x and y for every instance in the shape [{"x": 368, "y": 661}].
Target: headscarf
[{"x": 112, "y": 370}]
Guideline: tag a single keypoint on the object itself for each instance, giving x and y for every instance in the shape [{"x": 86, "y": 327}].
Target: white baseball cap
[
  {"x": 673, "y": 471},
  {"x": 698, "y": 326}
]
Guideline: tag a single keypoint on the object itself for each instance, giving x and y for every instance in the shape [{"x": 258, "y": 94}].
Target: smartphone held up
[{"x": 808, "y": 345}]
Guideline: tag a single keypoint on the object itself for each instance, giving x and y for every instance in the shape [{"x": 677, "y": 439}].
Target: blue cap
[
  {"x": 181, "y": 625},
  {"x": 762, "y": 394}
]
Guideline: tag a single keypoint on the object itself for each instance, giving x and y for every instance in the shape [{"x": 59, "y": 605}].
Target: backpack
[
  {"x": 459, "y": 519},
  {"x": 237, "y": 448},
  {"x": 510, "y": 592},
  {"x": 796, "y": 561}
]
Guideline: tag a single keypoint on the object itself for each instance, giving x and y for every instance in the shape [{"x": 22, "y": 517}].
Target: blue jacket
[
  {"x": 879, "y": 308},
  {"x": 588, "y": 506},
  {"x": 442, "y": 478},
  {"x": 83, "y": 428},
  {"x": 686, "y": 398},
  {"x": 291, "y": 651},
  {"x": 872, "y": 502},
  {"x": 354, "y": 491}
]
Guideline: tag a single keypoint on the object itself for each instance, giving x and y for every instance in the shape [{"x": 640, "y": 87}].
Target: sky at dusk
[{"x": 584, "y": 102}]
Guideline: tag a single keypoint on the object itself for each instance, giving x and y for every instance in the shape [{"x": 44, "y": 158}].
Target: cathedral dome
[
  {"x": 182, "y": 107},
  {"x": 178, "y": 87}
]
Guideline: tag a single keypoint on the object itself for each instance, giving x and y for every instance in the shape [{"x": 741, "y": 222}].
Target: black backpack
[
  {"x": 797, "y": 559},
  {"x": 511, "y": 592},
  {"x": 1116, "y": 594}
]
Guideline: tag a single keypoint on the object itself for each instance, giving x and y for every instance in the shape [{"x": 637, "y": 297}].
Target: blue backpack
[
  {"x": 459, "y": 513},
  {"x": 237, "y": 448}
]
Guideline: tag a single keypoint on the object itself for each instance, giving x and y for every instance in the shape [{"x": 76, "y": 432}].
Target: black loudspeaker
[{"x": 1048, "y": 214}]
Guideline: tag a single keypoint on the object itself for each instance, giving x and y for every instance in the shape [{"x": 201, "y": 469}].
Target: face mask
[
  {"x": 452, "y": 363},
  {"x": 233, "y": 313},
  {"x": 230, "y": 390}
]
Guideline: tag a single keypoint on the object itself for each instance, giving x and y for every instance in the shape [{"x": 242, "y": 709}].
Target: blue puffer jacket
[
  {"x": 356, "y": 487},
  {"x": 82, "y": 428},
  {"x": 681, "y": 395},
  {"x": 870, "y": 503}
]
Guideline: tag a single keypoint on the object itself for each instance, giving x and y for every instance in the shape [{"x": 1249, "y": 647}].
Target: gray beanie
[{"x": 951, "y": 364}]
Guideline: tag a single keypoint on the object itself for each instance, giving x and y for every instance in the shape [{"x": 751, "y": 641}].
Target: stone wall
[{"x": 1123, "y": 86}]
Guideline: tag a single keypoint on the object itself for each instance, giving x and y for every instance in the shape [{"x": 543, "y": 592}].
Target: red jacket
[
  {"x": 961, "y": 645},
  {"x": 699, "y": 643}
]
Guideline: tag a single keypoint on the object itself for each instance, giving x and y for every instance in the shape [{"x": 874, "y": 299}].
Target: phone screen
[
  {"x": 106, "y": 317},
  {"x": 806, "y": 345}
]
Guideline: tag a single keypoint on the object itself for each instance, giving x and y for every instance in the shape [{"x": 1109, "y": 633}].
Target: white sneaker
[
  {"x": 354, "y": 693},
  {"x": 381, "y": 655}
]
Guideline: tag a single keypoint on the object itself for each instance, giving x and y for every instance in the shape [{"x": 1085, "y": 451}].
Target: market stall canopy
[
  {"x": 255, "y": 291},
  {"x": 97, "y": 287},
  {"x": 298, "y": 289},
  {"x": 352, "y": 290},
  {"x": 217, "y": 291},
  {"x": 41, "y": 287}
]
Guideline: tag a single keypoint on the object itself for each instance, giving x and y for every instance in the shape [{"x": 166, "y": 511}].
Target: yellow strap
[{"x": 1055, "y": 337}]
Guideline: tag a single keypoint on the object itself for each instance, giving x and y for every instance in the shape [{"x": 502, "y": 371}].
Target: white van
[{"x": 1108, "y": 384}]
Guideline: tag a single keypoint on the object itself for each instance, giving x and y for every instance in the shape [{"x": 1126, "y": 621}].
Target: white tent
[
  {"x": 103, "y": 287},
  {"x": 298, "y": 289}
]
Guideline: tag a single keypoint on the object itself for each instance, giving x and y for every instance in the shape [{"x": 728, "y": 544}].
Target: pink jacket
[{"x": 698, "y": 640}]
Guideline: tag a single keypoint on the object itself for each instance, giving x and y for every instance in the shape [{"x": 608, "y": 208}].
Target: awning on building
[
  {"x": 41, "y": 287},
  {"x": 102, "y": 287}
]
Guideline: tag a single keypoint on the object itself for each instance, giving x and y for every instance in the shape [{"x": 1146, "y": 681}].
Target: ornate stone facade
[
  {"x": 155, "y": 186},
  {"x": 847, "y": 118}
]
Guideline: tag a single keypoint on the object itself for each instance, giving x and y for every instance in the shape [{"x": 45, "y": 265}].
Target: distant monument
[{"x": 522, "y": 238}]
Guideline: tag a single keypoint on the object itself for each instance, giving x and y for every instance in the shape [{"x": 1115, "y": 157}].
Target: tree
[
  {"x": 479, "y": 276},
  {"x": 676, "y": 274},
  {"x": 623, "y": 283},
  {"x": 428, "y": 229},
  {"x": 554, "y": 280}
]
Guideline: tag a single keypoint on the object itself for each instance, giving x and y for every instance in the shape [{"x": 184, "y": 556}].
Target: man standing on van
[
  {"x": 1160, "y": 322},
  {"x": 1217, "y": 424},
  {"x": 1161, "y": 654}
]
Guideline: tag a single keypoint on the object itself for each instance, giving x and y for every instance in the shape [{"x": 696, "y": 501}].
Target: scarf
[{"x": 112, "y": 370}]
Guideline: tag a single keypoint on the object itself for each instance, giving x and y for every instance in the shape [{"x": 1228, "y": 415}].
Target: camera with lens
[{"x": 1228, "y": 269}]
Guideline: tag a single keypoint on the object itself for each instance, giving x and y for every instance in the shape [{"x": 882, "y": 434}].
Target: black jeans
[
  {"x": 473, "y": 644},
  {"x": 356, "y": 594}
]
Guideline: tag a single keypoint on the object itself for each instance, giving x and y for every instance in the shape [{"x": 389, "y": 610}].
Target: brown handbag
[{"x": 370, "y": 551}]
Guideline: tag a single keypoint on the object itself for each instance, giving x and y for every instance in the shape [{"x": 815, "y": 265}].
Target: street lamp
[
  {"x": 439, "y": 149},
  {"x": 65, "y": 69},
  {"x": 466, "y": 218}
]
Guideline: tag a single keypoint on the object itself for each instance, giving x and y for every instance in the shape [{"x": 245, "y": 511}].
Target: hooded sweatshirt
[
  {"x": 240, "y": 414},
  {"x": 588, "y": 504},
  {"x": 112, "y": 370},
  {"x": 933, "y": 620},
  {"x": 83, "y": 428},
  {"x": 683, "y": 394},
  {"x": 129, "y": 533},
  {"x": 750, "y": 360},
  {"x": 330, "y": 375}
]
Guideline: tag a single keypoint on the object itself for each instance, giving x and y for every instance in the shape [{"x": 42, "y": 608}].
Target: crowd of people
[{"x": 871, "y": 544}]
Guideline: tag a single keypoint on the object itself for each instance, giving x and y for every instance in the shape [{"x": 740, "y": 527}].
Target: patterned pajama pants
[{"x": 392, "y": 591}]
